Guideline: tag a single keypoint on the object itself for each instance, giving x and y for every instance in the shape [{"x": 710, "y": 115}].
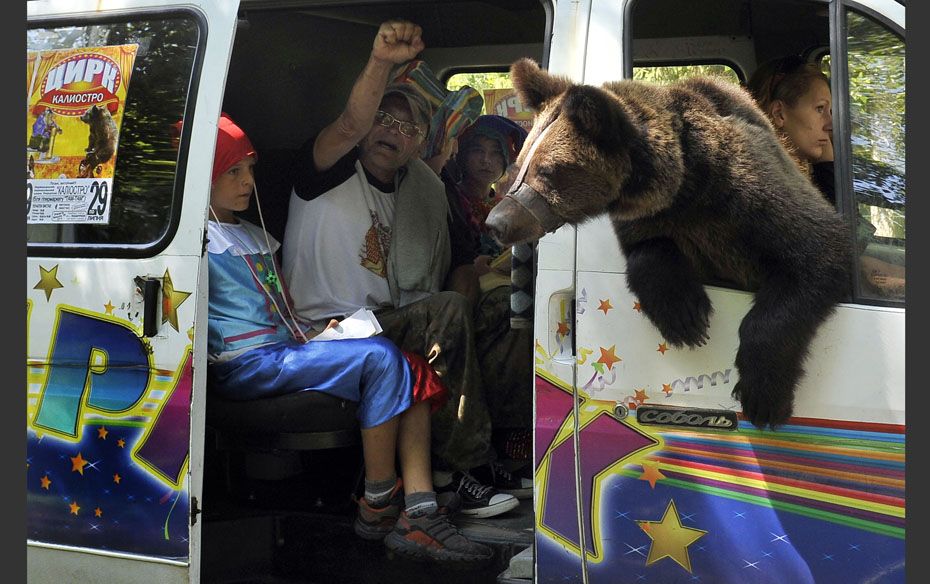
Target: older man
[{"x": 368, "y": 227}]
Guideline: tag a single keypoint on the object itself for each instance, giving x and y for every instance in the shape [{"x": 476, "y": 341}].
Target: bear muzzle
[{"x": 522, "y": 215}]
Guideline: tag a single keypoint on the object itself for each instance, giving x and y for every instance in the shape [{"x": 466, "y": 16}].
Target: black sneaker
[
  {"x": 496, "y": 475},
  {"x": 478, "y": 500},
  {"x": 434, "y": 537}
]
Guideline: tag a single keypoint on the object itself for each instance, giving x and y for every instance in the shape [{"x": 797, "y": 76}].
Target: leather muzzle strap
[{"x": 528, "y": 197}]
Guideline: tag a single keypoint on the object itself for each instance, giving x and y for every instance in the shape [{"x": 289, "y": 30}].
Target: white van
[{"x": 130, "y": 479}]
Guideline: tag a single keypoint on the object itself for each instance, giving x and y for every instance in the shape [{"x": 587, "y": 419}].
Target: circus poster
[{"x": 75, "y": 101}]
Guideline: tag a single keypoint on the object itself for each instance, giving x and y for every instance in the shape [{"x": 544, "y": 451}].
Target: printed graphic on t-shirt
[{"x": 373, "y": 254}]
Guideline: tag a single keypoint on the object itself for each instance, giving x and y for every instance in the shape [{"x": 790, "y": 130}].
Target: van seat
[{"x": 307, "y": 420}]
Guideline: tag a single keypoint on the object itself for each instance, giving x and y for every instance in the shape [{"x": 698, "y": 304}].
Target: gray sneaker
[{"x": 434, "y": 537}]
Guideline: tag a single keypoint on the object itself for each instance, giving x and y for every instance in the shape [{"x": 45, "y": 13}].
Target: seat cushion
[{"x": 304, "y": 411}]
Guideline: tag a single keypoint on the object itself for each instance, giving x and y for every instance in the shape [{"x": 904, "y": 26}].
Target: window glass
[
  {"x": 672, "y": 73},
  {"x": 876, "y": 111},
  {"x": 141, "y": 199}
]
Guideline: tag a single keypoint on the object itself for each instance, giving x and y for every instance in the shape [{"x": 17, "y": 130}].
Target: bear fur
[
  {"x": 698, "y": 189},
  {"x": 102, "y": 140}
]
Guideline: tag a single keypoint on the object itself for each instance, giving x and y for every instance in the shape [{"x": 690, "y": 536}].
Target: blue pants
[{"x": 372, "y": 372}]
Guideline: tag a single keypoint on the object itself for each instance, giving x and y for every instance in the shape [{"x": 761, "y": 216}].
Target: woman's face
[
  {"x": 484, "y": 161},
  {"x": 809, "y": 122}
]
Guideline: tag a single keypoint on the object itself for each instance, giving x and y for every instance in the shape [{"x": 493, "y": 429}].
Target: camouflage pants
[
  {"x": 442, "y": 329},
  {"x": 505, "y": 356}
]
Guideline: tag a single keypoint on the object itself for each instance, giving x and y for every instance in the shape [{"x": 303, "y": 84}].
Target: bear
[
  {"x": 698, "y": 189},
  {"x": 101, "y": 142}
]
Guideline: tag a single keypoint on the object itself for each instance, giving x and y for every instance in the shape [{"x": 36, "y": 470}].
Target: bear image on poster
[
  {"x": 698, "y": 188},
  {"x": 101, "y": 143}
]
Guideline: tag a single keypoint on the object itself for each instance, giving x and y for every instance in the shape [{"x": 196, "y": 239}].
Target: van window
[
  {"x": 144, "y": 196},
  {"x": 672, "y": 73},
  {"x": 876, "y": 115}
]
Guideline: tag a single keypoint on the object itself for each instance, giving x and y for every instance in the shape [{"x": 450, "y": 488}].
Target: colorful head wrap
[
  {"x": 506, "y": 132},
  {"x": 232, "y": 145},
  {"x": 450, "y": 111}
]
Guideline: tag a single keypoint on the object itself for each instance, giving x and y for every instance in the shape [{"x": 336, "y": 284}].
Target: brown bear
[
  {"x": 698, "y": 189},
  {"x": 101, "y": 142}
]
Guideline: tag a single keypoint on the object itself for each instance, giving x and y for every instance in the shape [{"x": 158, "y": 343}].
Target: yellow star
[
  {"x": 48, "y": 281},
  {"x": 108, "y": 308},
  {"x": 78, "y": 463},
  {"x": 667, "y": 389},
  {"x": 117, "y": 478},
  {"x": 605, "y": 305},
  {"x": 670, "y": 539},
  {"x": 608, "y": 357},
  {"x": 102, "y": 432},
  {"x": 662, "y": 348},
  {"x": 74, "y": 508},
  {"x": 98, "y": 512},
  {"x": 563, "y": 328},
  {"x": 46, "y": 482},
  {"x": 121, "y": 443},
  {"x": 641, "y": 396},
  {"x": 171, "y": 299},
  {"x": 652, "y": 474}
]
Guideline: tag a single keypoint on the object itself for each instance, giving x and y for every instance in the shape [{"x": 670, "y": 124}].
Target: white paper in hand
[{"x": 359, "y": 325}]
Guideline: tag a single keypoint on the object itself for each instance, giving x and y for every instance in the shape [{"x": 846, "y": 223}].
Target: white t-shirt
[{"x": 336, "y": 244}]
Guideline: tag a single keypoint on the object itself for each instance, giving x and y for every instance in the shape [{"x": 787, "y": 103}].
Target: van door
[
  {"x": 116, "y": 295},
  {"x": 801, "y": 504}
]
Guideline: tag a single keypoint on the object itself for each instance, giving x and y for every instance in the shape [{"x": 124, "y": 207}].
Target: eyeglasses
[{"x": 409, "y": 129}]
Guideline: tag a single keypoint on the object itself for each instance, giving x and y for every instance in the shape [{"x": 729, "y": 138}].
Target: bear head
[{"x": 587, "y": 153}]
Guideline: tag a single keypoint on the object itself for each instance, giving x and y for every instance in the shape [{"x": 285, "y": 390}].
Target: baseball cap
[{"x": 419, "y": 107}]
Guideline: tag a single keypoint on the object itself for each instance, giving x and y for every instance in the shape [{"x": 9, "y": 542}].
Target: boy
[{"x": 257, "y": 348}]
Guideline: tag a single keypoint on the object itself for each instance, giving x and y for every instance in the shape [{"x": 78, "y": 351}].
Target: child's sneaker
[
  {"x": 478, "y": 500},
  {"x": 376, "y": 522},
  {"x": 496, "y": 475},
  {"x": 434, "y": 537}
]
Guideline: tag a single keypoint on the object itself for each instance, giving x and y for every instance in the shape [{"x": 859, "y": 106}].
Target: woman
[
  {"x": 795, "y": 95},
  {"x": 485, "y": 150}
]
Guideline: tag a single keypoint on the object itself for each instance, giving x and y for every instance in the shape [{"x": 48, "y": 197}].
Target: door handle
[{"x": 150, "y": 289}]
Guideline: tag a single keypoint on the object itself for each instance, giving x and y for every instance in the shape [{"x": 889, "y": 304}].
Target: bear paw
[
  {"x": 682, "y": 318},
  {"x": 765, "y": 404}
]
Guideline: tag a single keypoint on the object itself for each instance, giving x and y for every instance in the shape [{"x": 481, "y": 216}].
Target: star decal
[
  {"x": 108, "y": 307},
  {"x": 667, "y": 389},
  {"x": 46, "y": 482},
  {"x": 117, "y": 478},
  {"x": 637, "y": 307},
  {"x": 171, "y": 299},
  {"x": 608, "y": 357},
  {"x": 121, "y": 443},
  {"x": 605, "y": 305},
  {"x": 78, "y": 463},
  {"x": 641, "y": 396},
  {"x": 74, "y": 508},
  {"x": 98, "y": 512},
  {"x": 670, "y": 539},
  {"x": 563, "y": 328},
  {"x": 651, "y": 473},
  {"x": 102, "y": 432},
  {"x": 48, "y": 281},
  {"x": 662, "y": 348}
]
